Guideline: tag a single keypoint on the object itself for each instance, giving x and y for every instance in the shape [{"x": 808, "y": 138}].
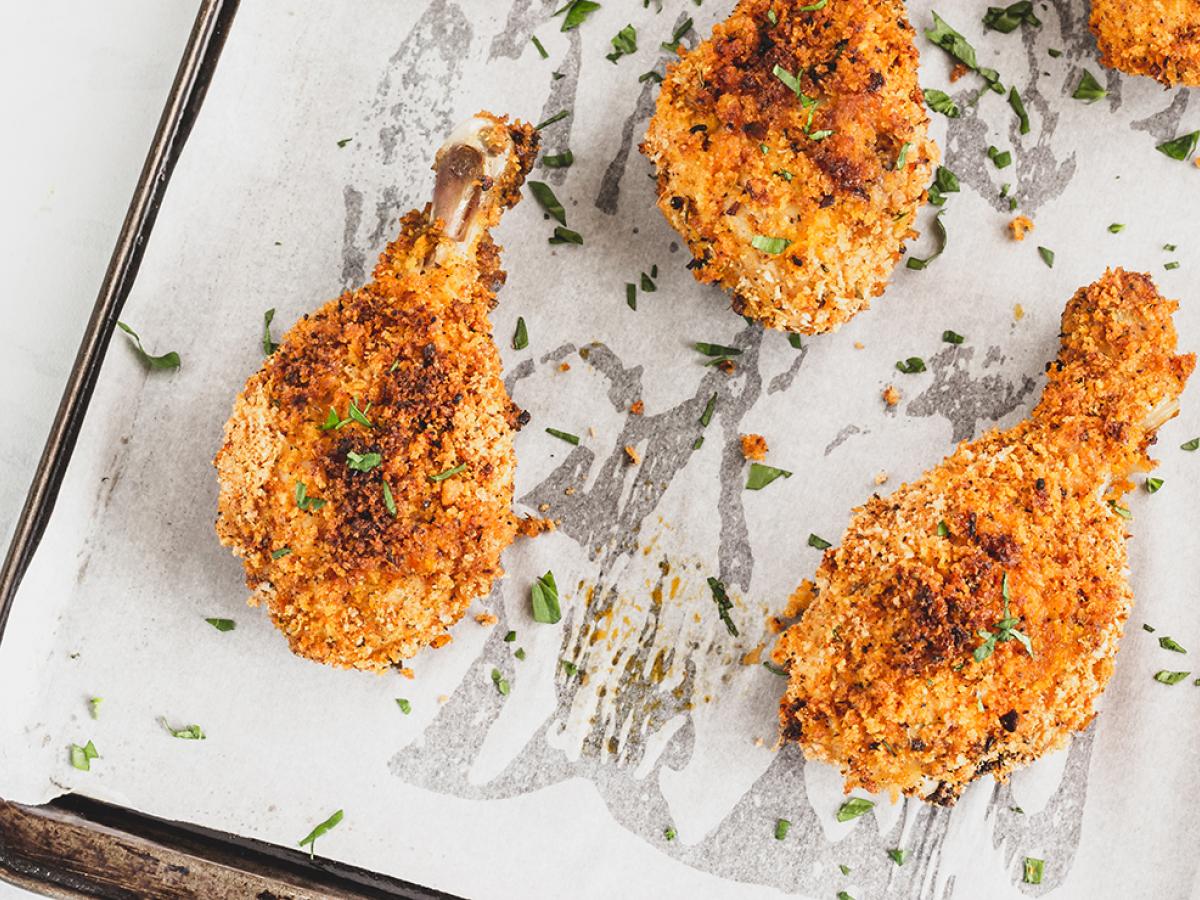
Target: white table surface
[{"x": 81, "y": 89}]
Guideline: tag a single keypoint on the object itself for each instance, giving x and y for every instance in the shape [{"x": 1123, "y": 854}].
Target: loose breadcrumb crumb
[
  {"x": 486, "y": 618},
  {"x": 1019, "y": 226},
  {"x": 881, "y": 477},
  {"x": 638, "y": 408},
  {"x": 754, "y": 446},
  {"x": 891, "y": 395},
  {"x": 631, "y": 452}
]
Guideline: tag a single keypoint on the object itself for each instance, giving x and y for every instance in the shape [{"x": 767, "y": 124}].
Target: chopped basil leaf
[
  {"x": 281, "y": 552},
  {"x": 631, "y": 295},
  {"x": 405, "y": 706},
  {"x": 792, "y": 81},
  {"x": 684, "y": 27},
  {"x": 724, "y": 604},
  {"x": 772, "y": 245},
  {"x": 784, "y": 174},
  {"x": 569, "y": 667},
  {"x": 781, "y": 829},
  {"x": 902, "y": 156},
  {"x": 310, "y": 839},
  {"x": 1047, "y": 256},
  {"x": 648, "y": 284},
  {"x": 521, "y": 336},
  {"x": 1165, "y": 677},
  {"x": 268, "y": 345},
  {"x": 898, "y": 856},
  {"x": 1149, "y": 628},
  {"x": 343, "y": 142},
  {"x": 540, "y": 48},
  {"x": 760, "y": 476},
  {"x": 564, "y": 435},
  {"x": 1014, "y": 100},
  {"x": 166, "y": 361},
  {"x": 939, "y": 232},
  {"x": 81, "y": 757},
  {"x": 1002, "y": 160},
  {"x": 94, "y": 707},
  {"x": 707, "y": 415},
  {"x": 813, "y": 7},
  {"x": 1170, "y": 248},
  {"x": 624, "y": 43},
  {"x": 941, "y": 102},
  {"x": 1006, "y": 19},
  {"x": 1116, "y": 228},
  {"x": 669, "y": 833},
  {"x": 519, "y": 653},
  {"x": 911, "y": 366},
  {"x": 362, "y": 462},
  {"x": 559, "y": 161},
  {"x": 510, "y": 637},
  {"x": 844, "y": 869},
  {"x": 650, "y": 76},
  {"x": 1153, "y": 484},
  {"x": 1005, "y": 630},
  {"x": 853, "y": 808},
  {"x": 557, "y": 117},
  {"x": 943, "y": 530},
  {"x": 577, "y": 11},
  {"x": 448, "y": 473},
  {"x": 500, "y": 682},
  {"x": 566, "y": 236},
  {"x": 1191, "y": 445},
  {"x": 545, "y": 197},
  {"x": 1170, "y": 644},
  {"x": 819, "y": 135},
  {"x": 774, "y": 669},
  {"x": 844, "y": 895},
  {"x": 944, "y": 182},
  {"x": 305, "y": 502},
  {"x": 952, "y": 337},
  {"x": 1089, "y": 88},
  {"x": 1033, "y": 870},
  {"x": 389, "y": 501},
  {"x": 222, "y": 624},
  {"x": 1054, "y": 53},
  {"x": 1120, "y": 510},
  {"x": 1181, "y": 147},
  {"x": 716, "y": 349},
  {"x": 796, "y": 341},
  {"x": 187, "y": 733},
  {"x": 957, "y": 46},
  {"x": 819, "y": 542},
  {"x": 1171, "y": 265},
  {"x": 358, "y": 415},
  {"x": 543, "y": 597}
]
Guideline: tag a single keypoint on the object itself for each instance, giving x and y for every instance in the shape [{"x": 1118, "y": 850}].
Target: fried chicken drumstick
[
  {"x": 367, "y": 471},
  {"x": 1158, "y": 38},
  {"x": 967, "y": 623},
  {"x": 792, "y": 156}
]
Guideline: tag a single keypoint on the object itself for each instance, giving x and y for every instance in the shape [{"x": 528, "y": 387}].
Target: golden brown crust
[
  {"x": 736, "y": 156},
  {"x": 359, "y": 586},
  {"x": 1157, "y": 38},
  {"x": 883, "y": 678}
]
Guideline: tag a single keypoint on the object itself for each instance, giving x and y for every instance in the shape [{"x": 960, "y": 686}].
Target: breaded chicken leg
[
  {"x": 792, "y": 156},
  {"x": 1158, "y": 38},
  {"x": 367, "y": 471},
  {"x": 967, "y": 623}
]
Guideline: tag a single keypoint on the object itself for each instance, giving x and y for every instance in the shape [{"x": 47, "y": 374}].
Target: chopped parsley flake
[
  {"x": 911, "y": 366},
  {"x": 624, "y": 43},
  {"x": 631, "y": 295},
  {"x": 1047, "y": 256},
  {"x": 952, "y": 337},
  {"x": 544, "y": 195},
  {"x": 566, "y": 236},
  {"x": 521, "y": 335},
  {"x": 577, "y": 12},
  {"x": 1089, "y": 88},
  {"x": 448, "y": 473},
  {"x": 305, "y": 502},
  {"x": 281, "y": 552},
  {"x": 187, "y": 733},
  {"x": 819, "y": 542},
  {"x": 500, "y": 682},
  {"x": 902, "y": 156},
  {"x": 760, "y": 476},
  {"x": 310, "y": 839},
  {"x": 669, "y": 833},
  {"x": 1181, "y": 147},
  {"x": 166, "y": 361},
  {"x": 389, "y": 501},
  {"x": 1006, "y": 19},
  {"x": 1168, "y": 643},
  {"x": 510, "y": 637},
  {"x": 772, "y": 245},
  {"x": 1002, "y": 159},
  {"x": 898, "y": 856},
  {"x": 1033, "y": 870},
  {"x": 1153, "y": 484},
  {"x": 1005, "y": 630},
  {"x": 1191, "y": 445},
  {"x": 222, "y": 624},
  {"x": 724, "y": 604},
  {"x": 1116, "y": 228},
  {"x": 853, "y": 808},
  {"x": 941, "y": 102},
  {"x": 81, "y": 757},
  {"x": 569, "y": 667},
  {"x": 564, "y": 436},
  {"x": 363, "y": 462},
  {"x": 1165, "y": 677},
  {"x": 781, "y": 829},
  {"x": 94, "y": 707},
  {"x": 405, "y": 706},
  {"x": 268, "y": 345},
  {"x": 543, "y": 597}
]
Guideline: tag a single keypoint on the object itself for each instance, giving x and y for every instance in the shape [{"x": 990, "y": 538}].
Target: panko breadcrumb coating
[
  {"x": 1158, "y": 38},
  {"x": 827, "y": 173},
  {"x": 367, "y": 471},
  {"x": 909, "y": 667}
]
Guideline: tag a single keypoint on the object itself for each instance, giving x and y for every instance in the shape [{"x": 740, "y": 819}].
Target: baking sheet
[{"x": 567, "y": 785}]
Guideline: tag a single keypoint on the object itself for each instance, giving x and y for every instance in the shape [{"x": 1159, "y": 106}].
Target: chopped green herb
[
  {"x": 519, "y": 653},
  {"x": 898, "y": 856},
  {"x": 1034, "y": 869},
  {"x": 939, "y": 233},
  {"x": 187, "y": 733},
  {"x": 944, "y": 182},
  {"x": 941, "y": 102},
  {"x": 1120, "y": 510},
  {"x": 562, "y": 160},
  {"x": 281, "y": 552},
  {"x": 500, "y": 682},
  {"x": 631, "y": 295},
  {"x": 911, "y": 366},
  {"x": 564, "y": 435},
  {"x": 650, "y": 76},
  {"x": 813, "y": 7},
  {"x": 81, "y": 757},
  {"x": 1149, "y": 628},
  {"x": 844, "y": 895},
  {"x": 772, "y": 245},
  {"x": 902, "y": 156},
  {"x": 521, "y": 336},
  {"x": 771, "y": 17},
  {"x": 540, "y": 49},
  {"x": 957, "y": 46},
  {"x": 1005, "y": 630},
  {"x": 1181, "y": 147},
  {"x": 405, "y": 706},
  {"x": 677, "y": 35},
  {"x": 1017, "y": 810},
  {"x": 952, "y": 337},
  {"x": 310, "y": 839},
  {"x": 1054, "y": 52},
  {"x": 566, "y": 236},
  {"x": 343, "y": 142},
  {"x": 624, "y": 43},
  {"x": 784, "y": 174},
  {"x": 1002, "y": 160},
  {"x": 569, "y": 667},
  {"x": 819, "y": 135},
  {"x": 792, "y": 81},
  {"x": 648, "y": 284},
  {"x": 1170, "y": 644},
  {"x": 1170, "y": 248},
  {"x": 305, "y": 502},
  {"x": 716, "y": 349},
  {"x": 669, "y": 833},
  {"x": 844, "y": 869},
  {"x": 943, "y": 530},
  {"x": 1089, "y": 88},
  {"x": 724, "y": 604},
  {"x": 94, "y": 707},
  {"x": 853, "y": 808},
  {"x": 1014, "y": 100},
  {"x": 362, "y": 462},
  {"x": 510, "y": 637},
  {"x": 781, "y": 829},
  {"x": 557, "y": 117},
  {"x": 774, "y": 669},
  {"x": 819, "y": 542},
  {"x": 543, "y": 597},
  {"x": 389, "y": 501},
  {"x": 1171, "y": 265},
  {"x": 577, "y": 11},
  {"x": 448, "y": 473},
  {"x": 544, "y": 195},
  {"x": 1165, "y": 677},
  {"x": 1116, "y": 228},
  {"x": 795, "y": 341},
  {"x": 166, "y": 361},
  {"x": 706, "y": 416},
  {"x": 1153, "y": 484},
  {"x": 268, "y": 345},
  {"x": 1047, "y": 256},
  {"x": 222, "y": 624},
  {"x": 1191, "y": 445},
  {"x": 760, "y": 476},
  {"x": 1006, "y": 19},
  {"x": 359, "y": 415}
]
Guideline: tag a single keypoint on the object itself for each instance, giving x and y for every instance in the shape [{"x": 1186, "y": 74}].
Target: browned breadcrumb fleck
[
  {"x": 440, "y": 641},
  {"x": 758, "y": 742},
  {"x": 543, "y": 507},
  {"x": 959, "y": 70},
  {"x": 1018, "y": 226},
  {"x": 569, "y": 490},
  {"x": 486, "y": 618},
  {"x": 564, "y": 367},
  {"x": 529, "y": 526},
  {"x": 753, "y": 657},
  {"x": 638, "y": 408},
  {"x": 883, "y": 681},
  {"x": 442, "y": 698},
  {"x": 881, "y": 477},
  {"x": 631, "y": 452},
  {"x": 1018, "y": 312},
  {"x": 407, "y": 673},
  {"x": 859, "y": 345},
  {"x": 728, "y": 366},
  {"x": 891, "y": 395},
  {"x": 754, "y": 446}
]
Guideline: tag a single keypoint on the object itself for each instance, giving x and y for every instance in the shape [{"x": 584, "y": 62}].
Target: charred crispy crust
[
  {"x": 883, "y": 681},
  {"x": 736, "y": 158},
  {"x": 360, "y": 587},
  {"x": 1157, "y": 38}
]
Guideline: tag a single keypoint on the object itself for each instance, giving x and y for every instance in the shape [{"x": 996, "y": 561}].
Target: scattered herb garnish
[
  {"x": 519, "y": 653},
  {"x": 1191, "y": 445},
  {"x": 222, "y": 624},
  {"x": 795, "y": 341},
  {"x": 1089, "y": 88},
  {"x": 94, "y": 707},
  {"x": 268, "y": 345},
  {"x": 1170, "y": 248},
  {"x": 1181, "y": 147},
  {"x": 557, "y": 117},
  {"x": 1168, "y": 643},
  {"x": 405, "y": 706},
  {"x": 1055, "y": 53},
  {"x": 939, "y": 232},
  {"x": 1171, "y": 265},
  {"x": 1047, "y": 256},
  {"x": 648, "y": 284},
  {"x": 510, "y": 637},
  {"x": 911, "y": 366},
  {"x": 631, "y": 295},
  {"x": 957, "y": 46},
  {"x": 305, "y": 502},
  {"x": 500, "y": 682},
  {"x": 81, "y": 757},
  {"x": 187, "y": 733},
  {"x": 311, "y": 838},
  {"x": 844, "y": 895},
  {"x": 564, "y": 435},
  {"x": 281, "y": 552},
  {"x": 952, "y": 337},
  {"x": 650, "y": 76},
  {"x": 624, "y": 43},
  {"x": 1153, "y": 484},
  {"x": 562, "y": 160},
  {"x": 1014, "y": 100},
  {"x": 566, "y": 236},
  {"x": 669, "y": 833},
  {"x": 1120, "y": 510},
  {"x": 943, "y": 530},
  {"x": 540, "y": 48},
  {"x": 1165, "y": 677},
  {"x": 813, "y": 7},
  {"x": 716, "y": 349},
  {"x": 677, "y": 35},
  {"x": 898, "y": 856},
  {"x": 944, "y": 182},
  {"x": 844, "y": 869},
  {"x": 1149, "y": 628},
  {"x": 902, "y": 156},
  {"x": 1002, "y": 159},
  {"x": 781, "y": 829},
  {"x": 774, "y": 669},
  {"x": 1006, "y": 19},
  {"x": 521, "y": 336},
  {"x": 569, "y": 667},
  {"x": 389, "y": 501},
  {"x": 706, "y": 416},
  {"x": 941, "y": 102},
  {"x": 362, "y": 462},
  {"x": 1116, "y": 228},
  {"x": 166, "y": 361},
  {"x": 448, "y": 473},
  {"x": 760, "y": 476},
  {"x": 543, "y": 597},
  {"x": 546, "y": 199},
  {"x": 1005, "y": 630},
  {"x": 853, "y": 808},
  {"x": 772, "y": 245},
  {"x": 724, "y": 604},
  {"x": 343, "y": 142},
  {"x": 1033, "y": 870},
  {"x": 819, "y": 542},
  {"x": 577, "y": 11}
]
